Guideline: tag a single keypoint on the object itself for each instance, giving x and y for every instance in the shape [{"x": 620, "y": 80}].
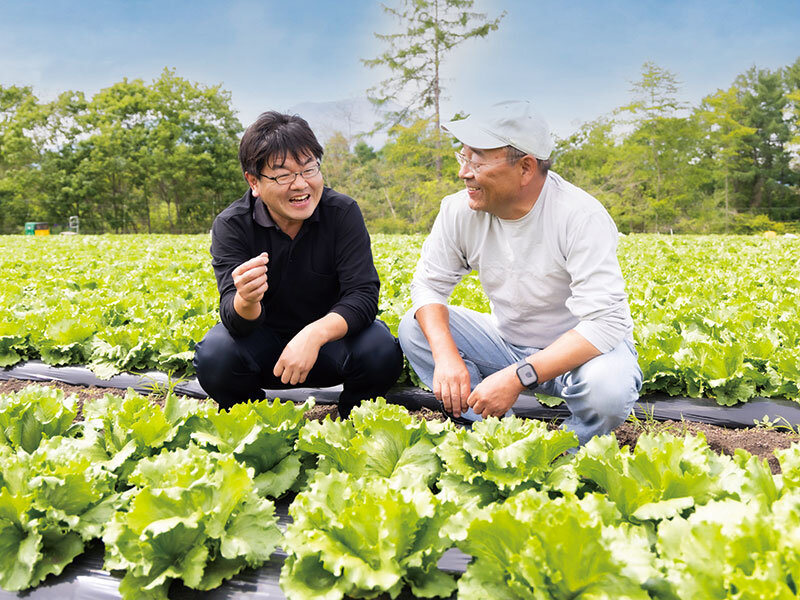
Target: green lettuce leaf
[
  {"x": 500, "y": 457},
  {"x": 361, "y": 536},
  {"x": 193, "y": 515},
  {"x": 664, "y": 476},
  {"x": 35, "y": 413},
  {"x": 135, "y": 427},
  {"x": 261, "y": 435},
  {"x": 532, "y": 546},
  {"x": 379, "y": 439},
  {"x": 51, "y": 502},
  {"x": 726, "y": 549},
  {"x": 789, "y": 459}
]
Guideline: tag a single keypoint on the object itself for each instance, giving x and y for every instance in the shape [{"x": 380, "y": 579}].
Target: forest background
[{"x": 161, "y": 157}]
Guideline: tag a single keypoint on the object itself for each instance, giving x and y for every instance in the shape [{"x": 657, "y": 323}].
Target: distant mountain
[{"x": 351, "y": 117}]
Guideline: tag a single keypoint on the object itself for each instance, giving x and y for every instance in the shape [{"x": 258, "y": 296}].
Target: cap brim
[{"x": 469, "y": 133}]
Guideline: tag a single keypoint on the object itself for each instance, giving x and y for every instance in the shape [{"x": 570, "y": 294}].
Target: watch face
[{"x": 527, "y": 374}]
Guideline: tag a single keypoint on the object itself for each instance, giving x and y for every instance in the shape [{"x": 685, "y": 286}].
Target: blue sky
[{"x": 574, "y": 59}]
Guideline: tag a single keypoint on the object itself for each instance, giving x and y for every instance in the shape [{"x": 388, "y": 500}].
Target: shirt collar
[{"x": 261, "y": 214}]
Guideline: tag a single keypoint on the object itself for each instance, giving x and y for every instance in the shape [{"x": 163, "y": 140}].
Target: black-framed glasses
[
  {"x": 288, "y": 178},
  {"x": 474, "y": 167}
]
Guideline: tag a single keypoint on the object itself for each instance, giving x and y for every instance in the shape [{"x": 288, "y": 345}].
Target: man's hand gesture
[{"x": 250, "y": 279}]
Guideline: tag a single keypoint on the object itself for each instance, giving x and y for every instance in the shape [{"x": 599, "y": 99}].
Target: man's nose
[{"x": 299, "y": 182}]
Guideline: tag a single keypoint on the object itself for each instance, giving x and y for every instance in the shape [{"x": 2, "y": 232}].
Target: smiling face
[
  {"x": 493, "y": 184},
  {"x": 288, "y": 204}
]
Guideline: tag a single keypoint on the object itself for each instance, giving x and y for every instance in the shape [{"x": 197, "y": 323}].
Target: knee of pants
[
  {"x": 377, "y": 353},
  {"x": 611, "y": 394},
  {"x": 216, "y": 359},
  {"x": 410, "y": 333}
]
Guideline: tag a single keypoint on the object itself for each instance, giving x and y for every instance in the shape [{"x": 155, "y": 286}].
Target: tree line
[
  {"x": 727, "y": 165},
  {"x": 162, "y": 157},
  {"x": 135, "y": 158}
]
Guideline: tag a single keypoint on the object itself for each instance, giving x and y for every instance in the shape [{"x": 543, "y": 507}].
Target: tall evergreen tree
[
  {"x": 431, "y": 30},
  {"x": 763, "y": 174}
]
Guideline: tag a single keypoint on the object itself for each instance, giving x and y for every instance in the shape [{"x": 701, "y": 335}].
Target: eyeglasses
[
  {"x": 289, "y": 178},
  {"x": 463, "y": 161}
]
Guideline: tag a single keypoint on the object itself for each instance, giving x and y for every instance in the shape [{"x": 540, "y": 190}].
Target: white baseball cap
[{"x": 510, "y": 123}]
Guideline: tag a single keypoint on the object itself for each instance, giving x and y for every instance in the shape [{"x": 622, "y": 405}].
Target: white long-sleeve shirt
[{"x": 552, "y": 270}]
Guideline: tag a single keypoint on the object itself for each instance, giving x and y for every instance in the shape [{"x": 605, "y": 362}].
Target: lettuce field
[
  {"x": 714, "y": 316},
  {"x": 184, "y": 494},
  {"x": 187, "y": 494}
]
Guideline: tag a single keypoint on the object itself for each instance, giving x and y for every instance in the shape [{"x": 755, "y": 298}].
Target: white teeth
[{"x": 299, "y": 198}]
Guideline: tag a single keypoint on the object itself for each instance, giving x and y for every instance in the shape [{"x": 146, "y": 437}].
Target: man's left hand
[
  {"x": 297, "y": 358},
  {"x": 496, "y": 393}
]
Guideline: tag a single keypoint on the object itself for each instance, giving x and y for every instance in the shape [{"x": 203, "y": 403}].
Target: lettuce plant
[
  {"x": 664, "y": 475},
  {"x": 262, "y": 436},
  {"x": 729, "y": 549},
  {"x": 134, "y": 427},
  {"x": 193, "y": 515},
  {"x": 362, "y": 536},
  {"x": 535, "y": 547},
  {"x": 35, "y": 413},
  {"x": 498, "y": 458},
  {"x": 378, "y": 439},
  {"x": 51, "y": 502},
  {"x": 789, "y": 460}
]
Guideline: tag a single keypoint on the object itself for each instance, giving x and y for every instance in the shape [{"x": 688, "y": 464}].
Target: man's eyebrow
[{"x": 283, "y": 164}]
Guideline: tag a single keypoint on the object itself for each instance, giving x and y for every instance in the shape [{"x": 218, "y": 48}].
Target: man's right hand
[
  {"x": 250, "y": 279},
  {"x": 451, "y": 384}
]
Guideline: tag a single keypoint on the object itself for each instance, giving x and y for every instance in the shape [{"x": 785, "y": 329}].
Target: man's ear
[
  {"x": 252, "y": 181},
  {"x": 530, "y": 168}
]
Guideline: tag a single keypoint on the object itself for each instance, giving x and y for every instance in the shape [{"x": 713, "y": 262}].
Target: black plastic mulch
[{"x": 657, "y": 406}]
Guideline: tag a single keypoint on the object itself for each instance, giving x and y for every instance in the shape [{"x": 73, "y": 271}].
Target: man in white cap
[{"x": 545, "y": 252}]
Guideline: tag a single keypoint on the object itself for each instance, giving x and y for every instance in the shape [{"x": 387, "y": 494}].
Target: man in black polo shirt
[{"x": 298, "y": 288}]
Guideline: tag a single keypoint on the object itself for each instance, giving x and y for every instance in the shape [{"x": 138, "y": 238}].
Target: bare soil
[{"x": 761, "y": 442}]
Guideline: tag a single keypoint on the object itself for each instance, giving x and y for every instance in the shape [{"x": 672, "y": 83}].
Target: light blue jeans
[{"x": 599, "y": 394}]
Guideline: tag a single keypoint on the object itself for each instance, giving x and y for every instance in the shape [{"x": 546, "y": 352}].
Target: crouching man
[
  {"x": 545, "y": 252},
  {"x": 298, "y": 287}
]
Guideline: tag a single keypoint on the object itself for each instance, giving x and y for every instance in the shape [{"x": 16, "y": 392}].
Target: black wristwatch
[{"x": 527, "y": 374}]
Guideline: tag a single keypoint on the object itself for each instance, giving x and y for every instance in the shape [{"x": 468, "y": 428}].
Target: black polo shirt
[{"x": 326, "y": 268}]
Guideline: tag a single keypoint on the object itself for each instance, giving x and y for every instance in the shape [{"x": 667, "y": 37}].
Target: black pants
[{"x": 232, "y": 370}]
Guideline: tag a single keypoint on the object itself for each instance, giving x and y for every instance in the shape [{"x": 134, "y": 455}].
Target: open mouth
[{"x": 299, "y": 199}]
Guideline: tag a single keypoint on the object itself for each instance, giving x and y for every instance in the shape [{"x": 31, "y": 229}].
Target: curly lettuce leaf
[
  {"x": 361, "y": 536},
  {"x": 261, "y": 435},
  {"x": 664, "y": 476},
  {"x": 727, "y": 549},
  {"x": 379, "y": 439},
  {"x": 532, "y": 546},
  {"x": 193, "y": 515},
  {"x": 51, "y": 502},
  {"x": 500, "y": 457},
  {"x": 35, "y": 413}
]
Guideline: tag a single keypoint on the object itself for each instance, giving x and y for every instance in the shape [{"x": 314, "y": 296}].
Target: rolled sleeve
[
  {"x": 441, "y": 266},
  {"x": 358, "y": 278},
  {"x": 598, "y": 298}
]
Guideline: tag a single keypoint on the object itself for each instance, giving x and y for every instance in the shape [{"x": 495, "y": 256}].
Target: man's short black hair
[{"x": 272, "y": 137}]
